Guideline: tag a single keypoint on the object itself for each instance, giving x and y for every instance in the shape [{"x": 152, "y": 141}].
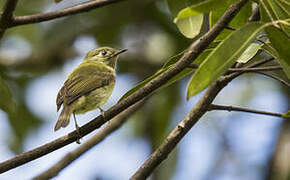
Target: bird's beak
[{"x": 119, "y": 52}]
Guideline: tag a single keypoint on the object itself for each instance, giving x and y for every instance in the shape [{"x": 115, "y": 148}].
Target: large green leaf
[
  {"x": 281, "y": 43},
  {"x": 190, "y": 26},
  {"x": 202, "y": 7},
  {"x": 222, "y": 57}
]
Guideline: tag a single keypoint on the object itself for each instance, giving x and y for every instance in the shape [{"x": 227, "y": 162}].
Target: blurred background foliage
[{"x": 146, "y": 28}]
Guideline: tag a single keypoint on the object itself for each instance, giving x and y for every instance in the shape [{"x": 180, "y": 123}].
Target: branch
[
  {"x": 114, "y": 124},
  {"x": 232, "y": 108},
  {"x": 200, "y": 108},
  {"x": 261, "y": 62},
  {"x": 162, "y": 152},
  {"x": 194, "y": 50},
  {"x": 6, "y": 16},
  {"x": 203, "y": 105},
  {"x": 268, "y": 68},
  {"x": 84, "y": 7}
]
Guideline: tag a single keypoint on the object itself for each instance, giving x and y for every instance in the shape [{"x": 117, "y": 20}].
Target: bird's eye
[{"x": 103, "y": 53}]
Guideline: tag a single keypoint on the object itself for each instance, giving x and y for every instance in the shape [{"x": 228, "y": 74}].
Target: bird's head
[{"x": 105, "y": 55}]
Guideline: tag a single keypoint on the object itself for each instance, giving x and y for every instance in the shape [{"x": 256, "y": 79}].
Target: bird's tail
[{"x": 63, "y": 119}]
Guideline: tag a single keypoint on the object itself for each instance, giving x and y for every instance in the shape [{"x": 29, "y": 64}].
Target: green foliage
[
  {"x": 108, "y": 29},
  {"x": 202, "y": 7},
  {"x": 280, "y": 42},
  {"x": 272, "y": 11},
  {"x": 240, "y": 19},
  {"x": 22, "y": 122},
  {"x": 158, "y": 73},
  {"x": 249, "y": 53},
  {"x": 189, "y": 26},
  {"x": 268, "y": 48},
  {"x": 6, "y": 104},
  {"x": 167, "y": 65},
  {"x": 287, "y": 114},
  {"x": 222, "y": 57}
]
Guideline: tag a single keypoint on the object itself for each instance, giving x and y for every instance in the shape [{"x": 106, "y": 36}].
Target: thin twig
[
  {"x": 84, "y": 7},
  {"x": 261, "y": 62},
  {"x": 194, "y": 50},
  {"x": 268, "y": 68},
  {"x": 233, "y": 108},
  {"x": 274, "y": 77},
  {"x": 6, "y": 15},
  {"x": 114, "y": 124}
]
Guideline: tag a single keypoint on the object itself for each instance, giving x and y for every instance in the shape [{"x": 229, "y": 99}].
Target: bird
[{"x": 88, "y": 86}]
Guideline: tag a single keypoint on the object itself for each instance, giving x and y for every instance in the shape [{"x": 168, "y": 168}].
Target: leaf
[
  {"x": 286, "y": 115},
  {"x": 22, "y": 122},
  {"x": 202, "y": 7},
  {"x": 173, "y": 59},
  {"x": 240, "y": 19},
  {"x": 249, "y": 53},
  {"x": 271, "y": 11},
  {"x": 280, "y": 42},
  {"x": 191, "y": 26},
  {"x": 268, "y": 48},
  {"x": 6, "y": 104},
  {"x": 222, "y": 57}
]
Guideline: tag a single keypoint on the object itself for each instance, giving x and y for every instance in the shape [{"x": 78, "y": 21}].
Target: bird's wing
[{"x": 82, "y": 81}]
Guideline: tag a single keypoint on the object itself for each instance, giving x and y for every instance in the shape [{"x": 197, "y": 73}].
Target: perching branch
[
  {"x": 194, "y": 50},
  {"x": 232, "y": 108},
  {"x": 114, "y": 124},
  {"x": 84, "y": 7},
  {"x": 6, "y": 16}
]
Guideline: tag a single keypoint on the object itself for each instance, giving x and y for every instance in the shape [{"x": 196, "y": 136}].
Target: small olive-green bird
[{"x": 88, "y": 86}]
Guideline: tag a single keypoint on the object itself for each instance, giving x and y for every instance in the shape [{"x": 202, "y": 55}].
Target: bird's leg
[
  {"x": 102, "y": 112},
  {"x": 77, "y": 129}
]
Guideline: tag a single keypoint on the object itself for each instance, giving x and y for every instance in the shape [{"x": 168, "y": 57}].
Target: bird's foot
[
  {"x": 78, "y": 141},
  {"x": 102, "y": 112}
]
